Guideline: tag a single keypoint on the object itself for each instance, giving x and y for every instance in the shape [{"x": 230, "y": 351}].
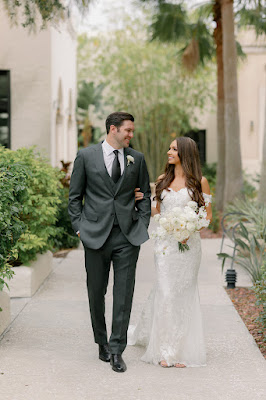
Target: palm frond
[{"x": 170, "y": 23}]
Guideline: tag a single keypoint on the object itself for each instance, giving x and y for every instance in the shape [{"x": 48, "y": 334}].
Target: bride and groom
[{"x": 111, "y": 217}]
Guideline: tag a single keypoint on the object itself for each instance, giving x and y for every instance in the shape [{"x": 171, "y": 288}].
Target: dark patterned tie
[{"x": 116, "y": 170}]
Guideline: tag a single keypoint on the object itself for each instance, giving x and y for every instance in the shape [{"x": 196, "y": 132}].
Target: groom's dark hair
[{"x": 117, "y": 119}]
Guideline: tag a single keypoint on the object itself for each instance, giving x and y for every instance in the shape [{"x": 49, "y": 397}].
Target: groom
[{"x": 111, "y": 226}]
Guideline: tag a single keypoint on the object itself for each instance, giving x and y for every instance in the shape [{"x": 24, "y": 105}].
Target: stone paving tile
[{"x": 48, "y": 353}]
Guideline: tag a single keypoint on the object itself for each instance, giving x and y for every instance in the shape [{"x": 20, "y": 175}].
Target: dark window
[
  {"x": 200, "y": 139},
  {"x": 5, "y": 108}
]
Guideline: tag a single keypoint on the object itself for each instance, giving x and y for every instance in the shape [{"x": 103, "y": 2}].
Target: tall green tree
[
  {"x": 27, "y": 12},
  {"x": 142, "y": 79},
  {"x": 233, "y": 165},
  {"x": 170, "y": 24}
]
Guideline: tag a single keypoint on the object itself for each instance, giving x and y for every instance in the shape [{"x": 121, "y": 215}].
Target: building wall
[
  {"x": 27, "y": 56},
  {"x": 63, "y": 89},
  {"x": 251, "y": 98},
  {"x": 43, "y": 88}
]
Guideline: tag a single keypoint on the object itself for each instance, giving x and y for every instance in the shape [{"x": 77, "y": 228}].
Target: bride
[{"x": 170, "y": 326}]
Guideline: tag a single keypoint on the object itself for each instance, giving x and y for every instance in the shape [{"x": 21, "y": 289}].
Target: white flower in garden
[
  {"x": 130, "y": 159},
  {"x": 193, "y": 204}
]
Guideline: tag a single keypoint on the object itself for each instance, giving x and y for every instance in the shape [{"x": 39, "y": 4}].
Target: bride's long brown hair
[{"x": 189, "y": 158}]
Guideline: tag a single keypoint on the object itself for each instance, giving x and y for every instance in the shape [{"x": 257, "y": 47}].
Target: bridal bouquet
[{"x": 181, "y": 223}]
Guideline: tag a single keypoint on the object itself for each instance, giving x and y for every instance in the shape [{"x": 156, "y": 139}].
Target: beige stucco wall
[
  {"x": 28, "y": 59},
  {"x": 40, "y": 64},
  {"x": 251, "y": 97},
  {"x": 63, "y": 92}
]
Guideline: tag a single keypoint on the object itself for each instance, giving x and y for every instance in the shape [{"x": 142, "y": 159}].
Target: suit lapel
[{"x": 100, "y": 165}]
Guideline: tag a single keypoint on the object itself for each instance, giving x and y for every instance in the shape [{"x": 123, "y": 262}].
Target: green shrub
[
  {"x": 249, "y": 190},
  {"x": 13, "y": 181},
  {"x": 260, "y": 291},
  {"x": 39, "y": 208},
  {"x": 209, "y": 171},
  {"x": 66, "y": 237}
]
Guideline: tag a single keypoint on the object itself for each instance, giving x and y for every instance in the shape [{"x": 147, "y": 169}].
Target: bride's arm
[
  {"x": 156, "y": 210},
  {"x": 206, "y": 189},
  {"x": 139, "y": 196}
]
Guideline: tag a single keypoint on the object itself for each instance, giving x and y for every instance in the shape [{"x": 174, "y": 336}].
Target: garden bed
[
  {"x": 5, "y": 315},
  {"x": 209, "y": 234},
  {"x": 244, "y": 300},
  {"x": 28, "y": 279}
]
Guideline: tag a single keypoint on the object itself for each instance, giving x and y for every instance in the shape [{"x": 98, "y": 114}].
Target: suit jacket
[{"x": 95, "y": 200}]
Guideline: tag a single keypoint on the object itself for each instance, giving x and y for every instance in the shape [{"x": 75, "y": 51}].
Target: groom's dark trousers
[
  {"x": 124, "y": 256},
  {"x": 112, "y": 228}
]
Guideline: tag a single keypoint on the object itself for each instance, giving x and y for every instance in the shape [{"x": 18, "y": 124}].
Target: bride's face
[{"x": 173, "y": 154}]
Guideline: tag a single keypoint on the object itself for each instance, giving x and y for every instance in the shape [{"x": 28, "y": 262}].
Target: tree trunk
[
  {"x": 233, "y": 171},
  {"x": 218, "y": 38},
  {"x": 262, "y": 189}
]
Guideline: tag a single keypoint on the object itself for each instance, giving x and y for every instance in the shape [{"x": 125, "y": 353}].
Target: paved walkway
[{"x": 48, "y": 352}]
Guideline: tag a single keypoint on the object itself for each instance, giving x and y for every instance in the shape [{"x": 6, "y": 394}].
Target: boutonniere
[{"x": 130, "y": 159}]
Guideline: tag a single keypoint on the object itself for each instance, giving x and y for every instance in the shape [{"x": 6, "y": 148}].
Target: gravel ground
[{"x": 244, "y": 301}]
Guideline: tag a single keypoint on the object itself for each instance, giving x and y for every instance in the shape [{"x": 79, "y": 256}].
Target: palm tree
[
  {"x": 172, "y": 24},
  {"x": 233, "y": 165},
  {"x": 49, "y": 10},
  {"x": 221, "y": 167}
]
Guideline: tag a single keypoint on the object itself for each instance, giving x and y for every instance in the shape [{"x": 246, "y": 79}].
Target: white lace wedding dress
[{"x": 170, "y": 326}]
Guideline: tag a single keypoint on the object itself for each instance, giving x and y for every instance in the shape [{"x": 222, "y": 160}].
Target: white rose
[
  {"x": 177, "y": 235},
  {"x": 163, "y": 221},
  {"x": 191, "y": 226},
  {"x": 193, "y": 205},
  {"x": 191, "y": 216}
]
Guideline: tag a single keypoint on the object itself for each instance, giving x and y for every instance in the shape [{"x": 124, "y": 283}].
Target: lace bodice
[{"x": 171, "y": 199}]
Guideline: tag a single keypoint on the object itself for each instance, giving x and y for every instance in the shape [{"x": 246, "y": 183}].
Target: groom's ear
[{"x": 113, "y": 129}]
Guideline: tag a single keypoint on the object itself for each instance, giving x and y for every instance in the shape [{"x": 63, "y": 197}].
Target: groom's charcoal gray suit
[{"x": 112, "y": 228}]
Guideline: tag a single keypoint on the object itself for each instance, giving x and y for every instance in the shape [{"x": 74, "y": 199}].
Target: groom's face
[{"x": 124, "y": 133}]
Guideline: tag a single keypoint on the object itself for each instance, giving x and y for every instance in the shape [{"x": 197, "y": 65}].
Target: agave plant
[
  {"x": 251, "y": 213},
  {"x": 249, "y": 251}
]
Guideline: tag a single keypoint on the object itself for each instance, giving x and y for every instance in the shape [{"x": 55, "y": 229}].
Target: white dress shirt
[{"x": 109, "y": 156}]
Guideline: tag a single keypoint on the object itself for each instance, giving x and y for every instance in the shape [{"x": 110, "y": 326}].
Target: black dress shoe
[
  {"x": 104, "y": 352},
  {"x": 118, "y": 364}
]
